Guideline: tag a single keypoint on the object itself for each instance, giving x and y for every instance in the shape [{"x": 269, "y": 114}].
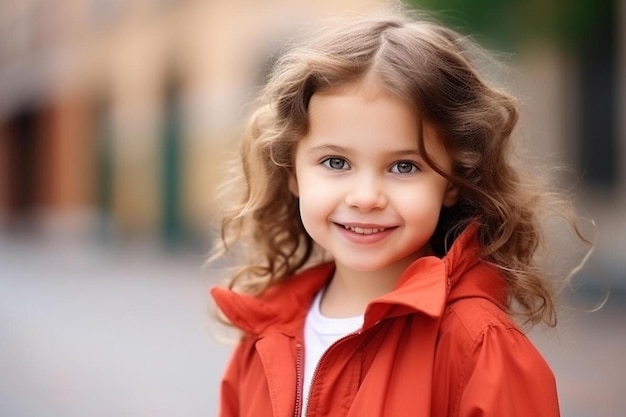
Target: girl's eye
[
  {"x": 336, "y": 163},
  {"x": 404, "y": 167}
]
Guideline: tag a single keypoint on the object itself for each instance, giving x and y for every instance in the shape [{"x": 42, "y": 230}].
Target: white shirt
[{"x": 320, "y": 333}]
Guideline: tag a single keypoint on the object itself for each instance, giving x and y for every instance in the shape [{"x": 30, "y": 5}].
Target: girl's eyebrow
[
  {"x": 408, "y": 152},
  {"x": 323, "y": 148},
  {"x": 327, "y": 147}
]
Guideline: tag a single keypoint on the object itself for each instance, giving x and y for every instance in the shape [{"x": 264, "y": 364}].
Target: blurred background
[{"x": 116, "y": 117}]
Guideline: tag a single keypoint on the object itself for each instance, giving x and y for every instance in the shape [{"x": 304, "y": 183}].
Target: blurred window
[
  {"x": 103, "y": 134},
  {"x": 16, "y": 30},
  {"x": 105, "y": 11},
  {"x": 104, "y": 146},
  {"x": 171, "y": 222},
  {"x": 598, "y": 148}
]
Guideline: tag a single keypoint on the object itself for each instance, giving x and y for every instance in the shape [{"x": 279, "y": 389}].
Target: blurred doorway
[
  {"x": 104, "y": 176},
  {"x": 171, "y": 145},
  {"x": 598, "y": 118},
  {"x": 22, "y": 146}
]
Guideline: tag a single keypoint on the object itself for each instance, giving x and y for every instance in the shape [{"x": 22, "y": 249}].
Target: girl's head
[
  {"x": 366, "y": 195},
  {"x": 429, "y": 70}
]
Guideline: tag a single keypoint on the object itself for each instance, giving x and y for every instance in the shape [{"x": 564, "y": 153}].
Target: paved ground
[{"x": 89, "y": 332}]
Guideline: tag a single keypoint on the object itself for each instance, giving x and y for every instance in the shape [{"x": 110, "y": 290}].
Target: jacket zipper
[
  {"x": 300, "y": 375},
  {"x": 299, "y": 363},
  {"x": 299, "y": 380}
]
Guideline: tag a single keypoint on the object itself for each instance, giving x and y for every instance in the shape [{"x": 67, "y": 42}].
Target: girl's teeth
[{"x": 363, "y": 231}]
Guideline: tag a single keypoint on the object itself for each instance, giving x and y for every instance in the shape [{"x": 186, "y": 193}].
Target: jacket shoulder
[
  {"x": 472, "y": 325},
  {"x": 485, "y": 362},
  {"x": 471, "y": 317}
]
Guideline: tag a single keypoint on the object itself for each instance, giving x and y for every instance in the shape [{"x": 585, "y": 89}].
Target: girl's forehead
[
  {"x": 371, "y": 88},
  {"x": 369, "y": 85},
  {"x": 367, "y": 114}
]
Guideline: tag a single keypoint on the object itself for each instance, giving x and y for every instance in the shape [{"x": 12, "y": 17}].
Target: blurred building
[{"x": 116, "y": 115}]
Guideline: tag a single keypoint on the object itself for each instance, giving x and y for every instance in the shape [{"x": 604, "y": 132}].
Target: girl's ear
[
  {"x": 293, "y": 184},
  {"x": 451, "y": 196}
]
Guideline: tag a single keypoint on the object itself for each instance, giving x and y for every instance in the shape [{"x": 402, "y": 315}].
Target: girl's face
[{"x": 366, "y": 195}]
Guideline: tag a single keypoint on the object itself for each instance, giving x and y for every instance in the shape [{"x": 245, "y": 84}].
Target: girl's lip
[
  {"x": 363, "y": 225},
  {"x": 365, "y": 230},
  {"x": 362, "y": 233}
]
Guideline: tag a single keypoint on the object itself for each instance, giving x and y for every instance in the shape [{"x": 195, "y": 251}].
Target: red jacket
[{"x": 439, "y": 344}]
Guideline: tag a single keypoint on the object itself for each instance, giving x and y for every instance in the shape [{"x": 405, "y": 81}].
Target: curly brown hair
[{"x": 433, "y": 69}]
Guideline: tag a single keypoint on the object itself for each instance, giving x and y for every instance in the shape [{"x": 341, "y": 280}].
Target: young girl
[{"x": 389, "y": 238}]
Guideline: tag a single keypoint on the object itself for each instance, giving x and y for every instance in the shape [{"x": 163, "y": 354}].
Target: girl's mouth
[
  {"x": 365, "y": 234},
  {"x": 364, "y": 230}
]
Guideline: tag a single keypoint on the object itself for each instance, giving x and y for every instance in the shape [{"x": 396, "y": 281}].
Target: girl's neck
[{"x": 349, "y": 291}]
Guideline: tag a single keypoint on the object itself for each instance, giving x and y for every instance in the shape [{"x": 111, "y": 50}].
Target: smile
[
  {"x": 364, "y": 230},
  {"x": 365, "y": 234}
]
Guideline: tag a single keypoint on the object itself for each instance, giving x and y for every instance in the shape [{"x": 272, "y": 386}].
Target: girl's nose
[{"x": 366, "y": 194}]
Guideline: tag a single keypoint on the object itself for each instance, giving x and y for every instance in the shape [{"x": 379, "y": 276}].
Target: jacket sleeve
[{"x": 505, "y": 375}]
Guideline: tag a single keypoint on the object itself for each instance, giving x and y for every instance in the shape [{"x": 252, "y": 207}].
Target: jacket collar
[
  {"x": 280, "y": 307},
  {"x": 426, "y": 286}
]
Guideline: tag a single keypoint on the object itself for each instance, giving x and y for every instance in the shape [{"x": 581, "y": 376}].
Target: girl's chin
[{"x": 368, "y": 267}]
